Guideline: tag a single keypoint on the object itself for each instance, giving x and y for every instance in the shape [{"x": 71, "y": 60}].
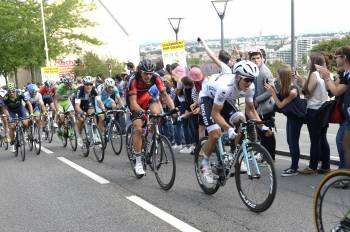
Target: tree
[
  {"x": 21, "y": 35},
  {"x": 274, "y": 66},
  {"x": 92, "y": 65}
]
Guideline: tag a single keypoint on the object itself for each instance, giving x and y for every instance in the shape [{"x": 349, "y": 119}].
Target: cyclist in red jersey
[
  {"x": 139, "y": 100},
  {"x": 48, "y": 91}
]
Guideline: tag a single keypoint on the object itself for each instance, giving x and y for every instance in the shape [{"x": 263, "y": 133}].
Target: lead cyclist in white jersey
[{"x": 218, "y": 108}]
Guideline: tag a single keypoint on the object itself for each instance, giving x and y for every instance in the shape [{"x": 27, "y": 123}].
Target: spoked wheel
[
  {"x": 86, "y": 142},
  {"x": 116, "y": 138},
  {"x": 72, "y": 136},
  {"x": 29, "y": 138},
  {"x": 257, "y": 191},
  {"x": 98, "y": 144},
  {"x": 61, "y": 133},
  {"x": 207, "y": 188},
  {"x": 37, "y": 139},
  {"x": 164, "y": 165},
  {"x": 21, "y": 145},
  {"x": 128, "y": 133},
  {"x": 332, "y": 202},
  {"x": 131, "y": 157},
  {"x": 49, "y": 130}
]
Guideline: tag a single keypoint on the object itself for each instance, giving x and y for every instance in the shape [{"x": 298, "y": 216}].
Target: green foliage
[
  {"x": 21, "y": 33},
  {"x": 194, "y": 61},
  {"x": 274, "y": 66},
  {"x": 91, "y": 65}
]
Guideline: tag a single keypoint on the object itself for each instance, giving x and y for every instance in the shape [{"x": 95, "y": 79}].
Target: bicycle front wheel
[
  {"x": 37, "y": 139},
  {"x": 257, "y": 190},
  {"x": 332, "y": 202},
  {"x": 116, "y": 138},
  {"x": 21, "y": 145},
  {"x": 164, "y": 165},
  {"x": 208, "y": 188},
  {"x": 98, "y": 144},
  {"x": 72, "y": 136}
]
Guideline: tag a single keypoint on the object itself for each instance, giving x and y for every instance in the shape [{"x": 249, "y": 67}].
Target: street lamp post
[
  {"x": 292, "y": 35},
  {"x": 175, "y": 24},
  {"x": 220, "y": 8},
  {"x": 44, "y": 30}
]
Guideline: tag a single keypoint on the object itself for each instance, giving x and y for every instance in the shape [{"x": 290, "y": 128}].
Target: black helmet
[{"x": 147, "y": 66}]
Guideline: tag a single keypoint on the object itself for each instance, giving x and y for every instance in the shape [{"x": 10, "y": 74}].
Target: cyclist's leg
[{"x": 137, "y": 123}]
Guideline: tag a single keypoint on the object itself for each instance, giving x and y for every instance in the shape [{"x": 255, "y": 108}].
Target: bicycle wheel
[
  {"x": 29, "y": 137},
  {"x": 116, "y": 138},
  {"x": 332, "y": 202},
  {"x": 86, "y": 142},
  {"x": 257, "y": 191},
  {"x": 49, "y": 131},
  {"x": 21, "y": 145},
  {"x": 37, "y": 139},
  {"x": 72, "y": 136},
  {"x": 127, "y": 137},
  {"x": 98, "y": 144},
  {"x": 164, "y": 165},
  {"x": 131, "y": 156},
  {"x": 206, "y": 187}
]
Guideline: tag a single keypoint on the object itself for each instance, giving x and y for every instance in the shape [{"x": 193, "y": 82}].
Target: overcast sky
[{"x": 147, "y": 20}]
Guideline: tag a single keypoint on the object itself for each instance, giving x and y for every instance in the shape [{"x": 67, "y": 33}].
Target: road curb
[{"x": 303, "y": 156}]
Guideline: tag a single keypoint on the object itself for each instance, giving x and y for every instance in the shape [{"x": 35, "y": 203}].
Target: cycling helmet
[
  {"x": 88, "y": 80},
  {"x": 109, "y": 82},
  {"x": 48, "y": 83},
  {"x": 11, "y": 86},
  {"x": 67, "y": 79},
  {"x": 32, "y": 88},
  {"x": 147, "y": 66},
  {"x": 246, "y": 69}
]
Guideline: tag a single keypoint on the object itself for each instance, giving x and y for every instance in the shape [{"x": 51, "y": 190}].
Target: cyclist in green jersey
[{"x": 62, "y": 99}]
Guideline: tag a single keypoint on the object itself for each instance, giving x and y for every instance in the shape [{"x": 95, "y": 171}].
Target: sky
[{"x": 147, "y": 20}]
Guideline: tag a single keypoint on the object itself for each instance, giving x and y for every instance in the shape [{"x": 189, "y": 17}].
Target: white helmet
[
  {"x": 88, "y": 80},
  {"x": 246, "y": 69},
  {"x": 109, "y": 82}
]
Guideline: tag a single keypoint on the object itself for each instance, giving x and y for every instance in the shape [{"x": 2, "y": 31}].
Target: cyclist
[
  {"x": 139, "y": 100},
  {"x": 218, "y": 108},
  {"x": 13, "y": 101},
  {"x": 36, "y": 100},
  {"x": 48, "y": 92},
  {"x": 63, "y": 100},
  {"x": 3, "y": 112},
  {"x": 86, "y": 101},
  {"x": 109, "y": 94}
]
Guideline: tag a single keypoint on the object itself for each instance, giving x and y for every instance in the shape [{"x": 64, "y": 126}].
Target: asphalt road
[{"x": 45, "y": 194}]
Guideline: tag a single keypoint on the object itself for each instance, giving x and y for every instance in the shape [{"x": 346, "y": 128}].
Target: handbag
[
  {"x": 296, "y": 108},
  {"x": 336, "y": 116}
]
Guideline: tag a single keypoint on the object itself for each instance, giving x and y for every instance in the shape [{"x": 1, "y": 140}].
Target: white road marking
[
  {"x": 44, "y": 149},
  {"x": 178, "y": 224},
  {"x": 86, "y": 172}
]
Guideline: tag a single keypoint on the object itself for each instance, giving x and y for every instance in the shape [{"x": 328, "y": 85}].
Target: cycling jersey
[
  {"x": 224, "y": 88},
  {"x": 16, "y": 102},
  {"x": 47, "y": 92},
  {"x": 86, "y": 100},
  {"x": 102, "y": 90},
  {"x": 65, "y": 95},
  {"x": 141, "y": 89},
  {"x": 35, "y": 100}
]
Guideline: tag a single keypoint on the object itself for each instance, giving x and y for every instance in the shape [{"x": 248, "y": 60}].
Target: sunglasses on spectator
[{"x": 88, "y": 84}]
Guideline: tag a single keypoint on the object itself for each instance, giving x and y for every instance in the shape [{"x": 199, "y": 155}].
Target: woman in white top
[{"x": 316, "y": 93}]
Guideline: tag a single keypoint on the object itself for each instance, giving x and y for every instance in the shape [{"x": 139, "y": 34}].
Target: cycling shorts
[
  {"x": 21, "y": 111},
  {"x": 47, "y": 100},
  {"x": 65, "y": 106},
  {"x": 206, "y": 104}
]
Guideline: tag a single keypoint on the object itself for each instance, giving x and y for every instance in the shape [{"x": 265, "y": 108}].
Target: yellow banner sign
[
  {"x": 170, "y": 46},
  {"x": 51, "y": 70}
]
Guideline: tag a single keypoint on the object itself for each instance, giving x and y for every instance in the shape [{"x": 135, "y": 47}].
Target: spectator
[
  {"x": 263, "y": 101},
  {"x": 316, "y": 93},
  {"x": 340, "y": 88},
  {"x": 287, "y": 94}
]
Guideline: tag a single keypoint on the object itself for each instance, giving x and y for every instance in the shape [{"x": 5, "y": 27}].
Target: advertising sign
[{"x": 174, "y": 52}]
